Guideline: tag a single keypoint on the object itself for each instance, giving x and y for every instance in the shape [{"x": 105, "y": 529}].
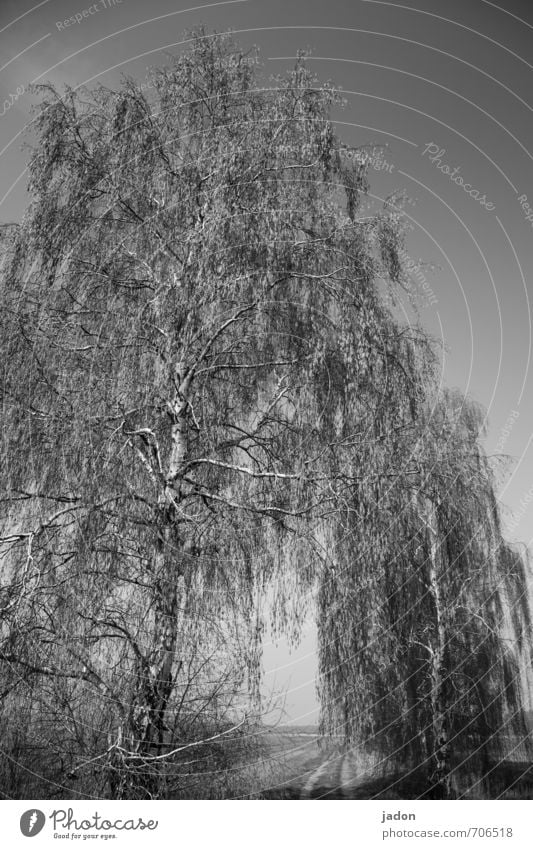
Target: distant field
[
  {"x": 291, "y": 754},
  {"x": 297, "y": 765}
]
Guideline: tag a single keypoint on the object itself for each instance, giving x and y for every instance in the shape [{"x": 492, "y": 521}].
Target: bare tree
[
  {"x": 191, "y": 309},
  {"x": 434, "y": 643},
  {"x": 207, "y": 398}
]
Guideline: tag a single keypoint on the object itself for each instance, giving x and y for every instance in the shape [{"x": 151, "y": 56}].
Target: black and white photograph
[{"x": 266, "y": 417}]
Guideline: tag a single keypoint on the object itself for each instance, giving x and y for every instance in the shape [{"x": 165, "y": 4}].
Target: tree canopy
[{"x": 207, "y": 397}]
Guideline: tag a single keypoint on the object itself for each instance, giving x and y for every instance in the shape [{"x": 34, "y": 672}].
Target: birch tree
[
  {"x": 194, "y": 326},
  {"x": 426, "y": 668}
]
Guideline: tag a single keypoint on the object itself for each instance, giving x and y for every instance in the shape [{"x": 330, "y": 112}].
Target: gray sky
[{"x": 420, "y": 78}]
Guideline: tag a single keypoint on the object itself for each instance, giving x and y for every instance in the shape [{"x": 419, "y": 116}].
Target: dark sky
[{"x": 452, "y": 80}]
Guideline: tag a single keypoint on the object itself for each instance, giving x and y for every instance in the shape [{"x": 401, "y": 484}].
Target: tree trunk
[
  {"x": 440, "y": 775},
  {"x": 154, "y": 679}
]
